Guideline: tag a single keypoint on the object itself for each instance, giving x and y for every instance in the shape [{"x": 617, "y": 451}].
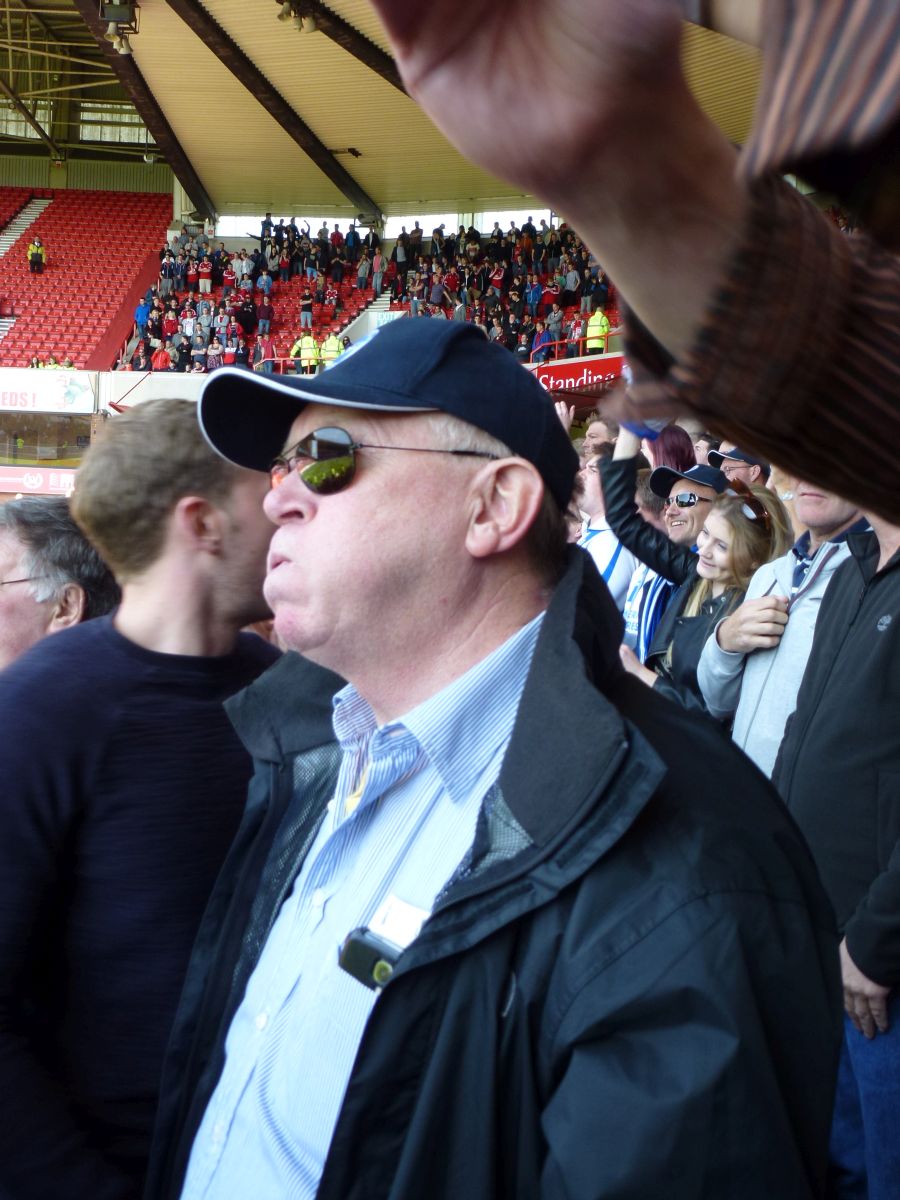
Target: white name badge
[{"x": 398, "y": 921}]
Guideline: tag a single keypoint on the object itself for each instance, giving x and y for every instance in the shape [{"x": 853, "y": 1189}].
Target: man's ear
[
  {"x": 505, "y": 498},
  {"x": 198, "y": 524},
  {"x": 68, "y": 608}
]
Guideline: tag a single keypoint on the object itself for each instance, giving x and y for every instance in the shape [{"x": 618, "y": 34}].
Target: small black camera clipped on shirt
[{"x": 369, "y": 958}]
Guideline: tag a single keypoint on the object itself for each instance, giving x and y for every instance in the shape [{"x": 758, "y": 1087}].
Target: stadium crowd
[{"x": 535, "y": 290}]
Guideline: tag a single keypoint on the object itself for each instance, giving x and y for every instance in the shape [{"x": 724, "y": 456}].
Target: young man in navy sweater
[{"x": 123, "y": 786}]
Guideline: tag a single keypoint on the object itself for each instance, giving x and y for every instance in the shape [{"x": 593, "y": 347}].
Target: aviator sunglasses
[{"x": 325, "y": 459}]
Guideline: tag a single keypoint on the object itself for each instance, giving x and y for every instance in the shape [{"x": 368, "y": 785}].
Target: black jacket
[
  {"x": 686, "y": 636},
  {"x": 632, "y": 991},
  {"x": 839, "y": 764}
]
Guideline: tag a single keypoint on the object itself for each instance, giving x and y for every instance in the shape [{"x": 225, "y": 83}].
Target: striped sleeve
[{"x": 798, "y": 356}]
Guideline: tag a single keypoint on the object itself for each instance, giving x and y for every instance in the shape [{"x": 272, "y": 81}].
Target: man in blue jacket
[{"x": 497, "y": 921}]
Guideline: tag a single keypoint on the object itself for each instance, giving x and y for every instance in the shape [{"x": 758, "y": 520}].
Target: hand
[
  {"x": 579, "y": 84},
  {"x": 566, "y": 414},
  {"x": 757, "y": 625},
  {"x": 565, "y": 74},
  {"x": 627, "y": 445},
  {"x": 635, "y": 667},
  {"x": 865, "y": 1001}
]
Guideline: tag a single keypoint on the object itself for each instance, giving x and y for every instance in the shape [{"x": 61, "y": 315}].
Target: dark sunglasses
[
  {"x": 752, "y": 507},
  {"x": 325, "y": 460},
  {"x": 686, "y": 500}
]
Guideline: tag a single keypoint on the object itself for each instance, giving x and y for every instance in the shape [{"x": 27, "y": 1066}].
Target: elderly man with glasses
[
  {"x": 486, "y": 928},
  {"x": 51, "y": 577}
]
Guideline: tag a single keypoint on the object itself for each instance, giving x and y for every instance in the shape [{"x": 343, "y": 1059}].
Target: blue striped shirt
[{"x": 293, "y": 1040}]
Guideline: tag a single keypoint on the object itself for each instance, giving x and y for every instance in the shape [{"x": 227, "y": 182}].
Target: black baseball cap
[
  {"x": 662, "y": 478},
  {"x": 716, "y": 457},
  {"x": 405, "y": 366}
]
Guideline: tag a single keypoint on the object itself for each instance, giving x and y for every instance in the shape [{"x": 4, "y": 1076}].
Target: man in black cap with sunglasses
[{"x": 485, "y": 927}]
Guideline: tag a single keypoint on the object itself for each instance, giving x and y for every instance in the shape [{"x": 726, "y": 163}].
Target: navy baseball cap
[
  {"x": 404, "y": 367},
  {"x": 662, "y": 478},
  {"x": 717, "y": 457}
]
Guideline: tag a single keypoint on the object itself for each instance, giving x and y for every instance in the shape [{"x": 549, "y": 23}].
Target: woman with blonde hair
[{"x": 744, "y": 528}]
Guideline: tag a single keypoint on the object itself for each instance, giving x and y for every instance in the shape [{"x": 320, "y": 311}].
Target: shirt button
[
  {"x": 262, "y": 1020},
  {"x": 318, "y": 899},
  {"x": 218, "y": 1133}
]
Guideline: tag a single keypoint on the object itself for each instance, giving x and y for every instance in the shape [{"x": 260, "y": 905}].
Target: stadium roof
[{"x": 254, "y": 113}]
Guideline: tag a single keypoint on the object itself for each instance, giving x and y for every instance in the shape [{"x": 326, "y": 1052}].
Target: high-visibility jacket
[
  {"x": 308, "y": 350},
  {"x": 597, "y": 327},
  {"x": 331, "y": 348}
]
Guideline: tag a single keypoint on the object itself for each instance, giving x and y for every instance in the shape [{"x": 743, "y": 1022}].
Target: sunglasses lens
[
  {"x": 685, "y": 500},
  {"x": 330, "y": 462},
  {"x": 330, "y": 475}
]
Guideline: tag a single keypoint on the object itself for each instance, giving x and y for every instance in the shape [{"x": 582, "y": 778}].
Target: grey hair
[
  {"x": 547, "y": 539},
  {"x": 452, "y": 433},
  {"x": 56, "y": 553}
]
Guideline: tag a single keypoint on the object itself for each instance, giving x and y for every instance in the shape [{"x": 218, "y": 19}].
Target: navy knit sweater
[{"x": 121, "y": 786}]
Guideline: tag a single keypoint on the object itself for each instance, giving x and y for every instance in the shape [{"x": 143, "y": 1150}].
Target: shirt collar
[
  {"x": 460, "y": 728},
  {"x": 801, "y": 546}
]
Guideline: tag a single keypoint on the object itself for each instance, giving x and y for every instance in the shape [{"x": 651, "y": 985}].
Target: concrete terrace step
[{"x": 20, "y": 222}]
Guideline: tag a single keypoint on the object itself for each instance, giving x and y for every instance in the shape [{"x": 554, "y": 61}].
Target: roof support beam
[
  {"x": 351, "y": 40},
  {"x": 135, "y": 86},
  {"x": 247, "y": 73},
  {"x": 24, "y": 111}
]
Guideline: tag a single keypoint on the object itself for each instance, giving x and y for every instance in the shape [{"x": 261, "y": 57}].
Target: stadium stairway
[{"x": 19, "y": 223}]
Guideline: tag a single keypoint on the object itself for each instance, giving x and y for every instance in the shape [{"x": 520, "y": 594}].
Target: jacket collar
[
  {"x": 563, "y": 717},
  {"x": 287, "y": 711}
]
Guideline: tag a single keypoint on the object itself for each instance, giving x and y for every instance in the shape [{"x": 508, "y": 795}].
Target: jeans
[
  {"x": 306, "y": 319},
  {"x": 268, "y": 366},
  {"x": 865, "y": 1131},
  {"x": 264, "y": 325},
  {"x": 376, "y": 282}
]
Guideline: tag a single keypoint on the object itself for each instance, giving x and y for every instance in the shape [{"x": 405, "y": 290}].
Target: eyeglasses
[
  {"x": 325, "y": 460},
  {"x": 25, "y": 579},
  {"x": 686, "y": 500}
]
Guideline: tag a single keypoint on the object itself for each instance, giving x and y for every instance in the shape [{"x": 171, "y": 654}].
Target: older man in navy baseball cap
[{"x": 488, "y": 927}]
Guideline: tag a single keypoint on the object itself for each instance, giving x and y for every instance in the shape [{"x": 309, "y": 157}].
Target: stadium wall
[{"x": 90, "y": 174}]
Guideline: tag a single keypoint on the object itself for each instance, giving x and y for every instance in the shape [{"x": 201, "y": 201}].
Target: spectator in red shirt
[
  {"x": 170, "y": 325},
  {"x": 229, "y": 279},
  {"x": 264, "y": 355},
  {"x": 264, "y": 314}
]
